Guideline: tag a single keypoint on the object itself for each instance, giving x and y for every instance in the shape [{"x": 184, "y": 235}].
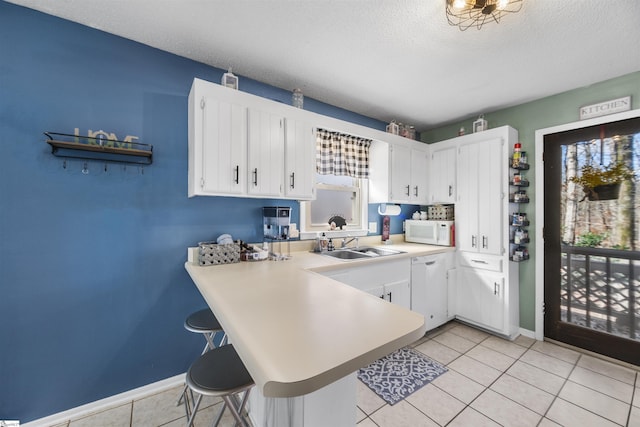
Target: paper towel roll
[{"x": 385, "y": 209}]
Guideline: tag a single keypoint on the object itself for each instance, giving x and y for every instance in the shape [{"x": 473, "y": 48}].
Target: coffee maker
[{"x": 276, "y": 221}]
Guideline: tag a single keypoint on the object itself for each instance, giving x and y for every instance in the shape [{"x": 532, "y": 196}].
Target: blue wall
[{"x": 93, "y": 288}]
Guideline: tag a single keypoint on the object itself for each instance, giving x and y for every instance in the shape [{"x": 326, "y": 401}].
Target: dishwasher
[{"x": 429, "y": 289}]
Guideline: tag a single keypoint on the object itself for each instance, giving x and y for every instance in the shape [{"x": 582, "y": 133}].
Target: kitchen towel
[{"x": 400, "y": 373}]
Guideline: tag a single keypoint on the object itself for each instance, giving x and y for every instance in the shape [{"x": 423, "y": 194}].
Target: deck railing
[{"x": 600, "y": 289}]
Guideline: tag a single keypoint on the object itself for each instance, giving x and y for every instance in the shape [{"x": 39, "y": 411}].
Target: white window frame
[{"x": 308, "y": 231}]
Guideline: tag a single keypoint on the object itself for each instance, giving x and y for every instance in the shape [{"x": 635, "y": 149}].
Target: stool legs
[
  {"x": 210, "y": 345},
  {"x": 228, "y": 401}
]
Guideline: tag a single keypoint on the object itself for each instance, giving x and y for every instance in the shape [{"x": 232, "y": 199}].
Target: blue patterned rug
[{"x": 400, "y": 373}]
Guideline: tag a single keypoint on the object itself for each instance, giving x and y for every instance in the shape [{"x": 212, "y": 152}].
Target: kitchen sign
[{"x": 605, "y": 108}]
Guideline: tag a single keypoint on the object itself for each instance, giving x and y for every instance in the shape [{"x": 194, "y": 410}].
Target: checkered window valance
[{"x": 342, "y": 154}]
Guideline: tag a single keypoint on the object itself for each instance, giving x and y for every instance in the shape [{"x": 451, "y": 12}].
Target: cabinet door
[
  {"x": 480, "y": 298},
  {"x": 399, "y": 293},
  {"x": 377, "y": 291},
  {"x": 266, "y": 153},
  {"x": 419, "y": 193},
  {"x": 490, "y": 193},
  {"x": 467, "y": 206},
  {"x": 400, "y": 189},
  {"x": 300, "y": 152},
  {"x": 224, "y": 142},
  {"x": 443, "y": 175}
]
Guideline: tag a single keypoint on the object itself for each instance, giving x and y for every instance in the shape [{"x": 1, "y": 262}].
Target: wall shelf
[{"x": 106, "y": 150}]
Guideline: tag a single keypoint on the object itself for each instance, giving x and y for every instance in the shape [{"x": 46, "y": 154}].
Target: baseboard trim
[
  {"x": 107, "y": 402},
  {"x": 528, "y": 333}
]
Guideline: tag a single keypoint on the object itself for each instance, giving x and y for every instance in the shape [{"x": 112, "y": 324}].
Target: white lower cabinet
[
  {"x": 397, "y": 292},
  {"x": 389, "y": 280},
  {"x": 481, "y": 298}
]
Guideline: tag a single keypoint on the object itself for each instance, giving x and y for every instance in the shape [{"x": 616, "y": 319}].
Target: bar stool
[
  {"x": 220, "y": 373},
  {"x": 202, "y": 322}
]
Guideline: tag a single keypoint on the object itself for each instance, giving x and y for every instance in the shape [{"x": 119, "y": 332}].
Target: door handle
[
  {"x": 255, "y": 177},
  {"x": 292, "y": 180}
]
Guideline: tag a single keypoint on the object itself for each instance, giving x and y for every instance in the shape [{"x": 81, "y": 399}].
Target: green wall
[{"x": 527, "y": 118}]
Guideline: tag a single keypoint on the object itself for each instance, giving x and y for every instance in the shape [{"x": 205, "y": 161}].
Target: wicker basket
[
  {"x": 210, "y": 253},
  {"x": 440, "y": 212}
]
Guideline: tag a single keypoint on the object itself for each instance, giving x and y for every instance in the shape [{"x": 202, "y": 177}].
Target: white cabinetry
[
  {"x": 398, "y": 292},
  {"x": 484, "y": 289},
  {"x": 299, "y": 161},
  {"x": 238, "y": 146},
  {"x": 217, "y": 142},
  {"x": 398, "y": 172},
  {"x": 387, "y": 279},
  {"x": 266, "y": 153},
  {"x": 442, "y": 174},
  {"x": 480, "y": 196},
  {"x": 482, "y": 298},
  {"x": 430, "y": 287}
]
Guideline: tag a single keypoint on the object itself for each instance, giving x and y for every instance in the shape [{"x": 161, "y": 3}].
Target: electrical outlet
[{"x": 373, "y": 227}]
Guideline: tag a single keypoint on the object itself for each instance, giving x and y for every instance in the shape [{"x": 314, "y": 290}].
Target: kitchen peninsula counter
[{"x": 298, "y": 331}]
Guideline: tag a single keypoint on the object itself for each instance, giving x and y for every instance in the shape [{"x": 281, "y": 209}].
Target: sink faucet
[{"x": 345, "y": 242}]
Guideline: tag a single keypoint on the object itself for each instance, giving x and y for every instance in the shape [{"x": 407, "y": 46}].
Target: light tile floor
[{"x": 490, "y": 382}]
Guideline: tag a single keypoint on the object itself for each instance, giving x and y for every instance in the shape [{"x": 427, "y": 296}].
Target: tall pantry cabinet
[{"x": 487, "y": 283}]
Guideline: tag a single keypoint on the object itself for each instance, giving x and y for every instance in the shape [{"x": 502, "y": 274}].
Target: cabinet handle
[
  {"x": 429, "y": 263},
  {"x": 479, "y": 261},
  {"x": 450, "y": 190},
  {"x": 292, "y": 180},
  {"x": 408, "y": 190},
  {"x": 496, "y": 288},
  {"x": 237, "y": 173},
  {"x": 473, "y": 241},
  {"x": 389, "y": 296},
  {"x": 255, "y": 177},
  {"x": 416, "y": 191},
  {"x": 484, "y": 242}
]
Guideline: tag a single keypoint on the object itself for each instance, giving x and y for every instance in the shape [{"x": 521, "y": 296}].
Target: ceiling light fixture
[{"x": 469, "y": 13}]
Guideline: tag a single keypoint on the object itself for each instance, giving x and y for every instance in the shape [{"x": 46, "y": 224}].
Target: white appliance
[{"x": 429, "y": 232}]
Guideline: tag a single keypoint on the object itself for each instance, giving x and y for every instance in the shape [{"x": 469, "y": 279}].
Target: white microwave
[{"x": 429, "y": 232}]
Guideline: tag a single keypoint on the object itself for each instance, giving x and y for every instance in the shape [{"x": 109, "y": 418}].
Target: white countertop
[{"x": 297, "y": 331}]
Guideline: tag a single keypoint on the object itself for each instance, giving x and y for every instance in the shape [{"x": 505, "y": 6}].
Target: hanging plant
[{"x": 602, "y": 183}]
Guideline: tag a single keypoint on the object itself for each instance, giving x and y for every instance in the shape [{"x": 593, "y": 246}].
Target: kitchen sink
[
  {"x": 373, "y": 251},
  {"x": 361, "y": 253},
  {"x": 345, "y": 254}
]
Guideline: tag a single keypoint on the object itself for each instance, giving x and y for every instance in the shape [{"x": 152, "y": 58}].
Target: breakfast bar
[{"x": 299, "y": 332}]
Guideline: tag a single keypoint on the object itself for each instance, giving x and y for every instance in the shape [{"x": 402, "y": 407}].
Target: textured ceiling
[{"x": 387, "y": 59}]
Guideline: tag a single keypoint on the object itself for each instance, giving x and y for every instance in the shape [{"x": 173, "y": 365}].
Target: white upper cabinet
[
  {"x": 398, "y": 172},
  {"x": 242, "y": 145},
  {"x": 299, "y": 161},
  {"x": 442, "y": 175},
  {"x": 480, "y": 197},
  {"x": 265, "y": 153},
  {"x": 217, "y": 144}
]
